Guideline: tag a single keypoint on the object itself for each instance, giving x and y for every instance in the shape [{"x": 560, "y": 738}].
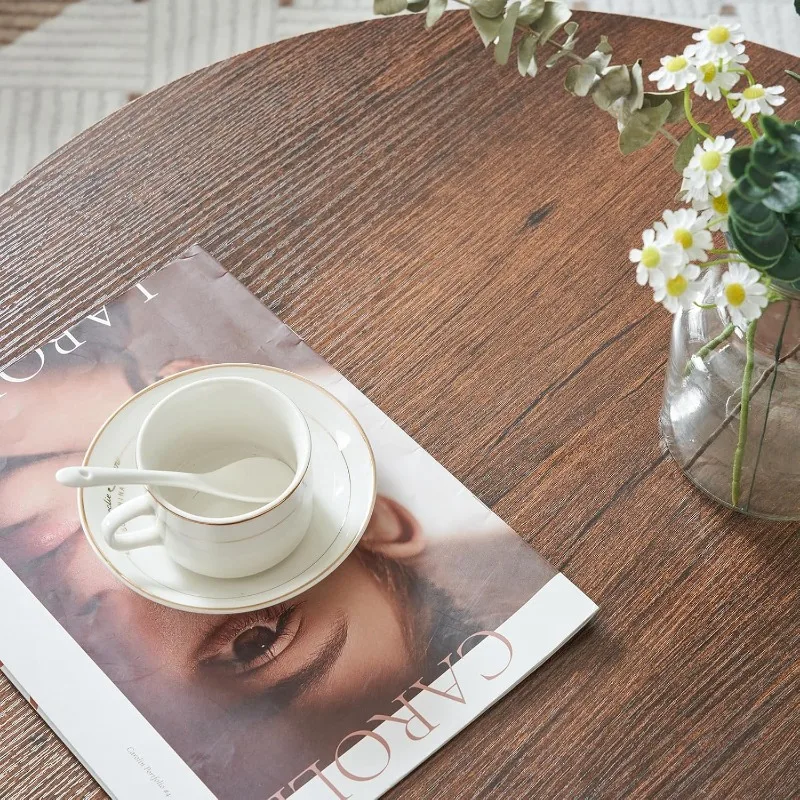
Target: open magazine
[{"x": 445, "y": 608}]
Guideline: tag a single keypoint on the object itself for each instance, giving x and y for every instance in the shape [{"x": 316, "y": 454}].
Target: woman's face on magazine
[{"x": 332, "y": 642}]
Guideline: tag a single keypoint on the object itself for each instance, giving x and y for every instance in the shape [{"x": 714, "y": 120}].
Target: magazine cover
[{"x": 439, "y": 611}]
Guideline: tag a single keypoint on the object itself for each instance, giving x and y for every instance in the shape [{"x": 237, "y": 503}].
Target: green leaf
[
  {"x": 435, "y": 11},
  {"x": 784, "y": 195},
  {"x": 792, "y": 222},
  {"x": 739, "y": 160},
  {"x": 614, "y": 84},
  {"x": 489, "y": 8},
  {"x": 676, "y": 113},
  {"x": 388, "y": 7},
  {"x": 530, "y": 11},
  {"x": 792, "y": 74},
  {"x": 642, "y": 127},
  {"x": 579, "y": 79},
  {"x": 758, "y": 177},
  {"x": 526, "y": 56},
  {"x": 750, "y": 191},
  {"x": 685, "y": 151},
  {"x": 505, "y": 38},
  {"x": 788, "y": 267},
  {"x": 785, "y": 136},
  {"x": 417, "y": 5},
  {"x": 488, "y": 29},
  {"x": 555, "y": 15}
]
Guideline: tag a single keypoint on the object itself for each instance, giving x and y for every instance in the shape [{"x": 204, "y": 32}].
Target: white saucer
[{"x": 343, "y": 474}]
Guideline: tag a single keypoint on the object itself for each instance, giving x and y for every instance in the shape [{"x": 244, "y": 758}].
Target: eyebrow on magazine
[{"x": 314, "y": 673}]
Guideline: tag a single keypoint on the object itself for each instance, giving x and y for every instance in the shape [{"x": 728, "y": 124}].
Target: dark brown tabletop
[{"x": 454, "y": 239}]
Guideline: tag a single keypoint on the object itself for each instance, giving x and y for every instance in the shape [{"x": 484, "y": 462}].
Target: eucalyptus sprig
[{"x": 535, "y": 27}]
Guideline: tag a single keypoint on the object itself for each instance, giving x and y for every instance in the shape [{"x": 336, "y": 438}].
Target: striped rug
[{"x": 65, "y": 64}]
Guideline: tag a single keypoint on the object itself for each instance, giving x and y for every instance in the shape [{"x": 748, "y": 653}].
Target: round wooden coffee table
[{"x": 454, "y": 239}]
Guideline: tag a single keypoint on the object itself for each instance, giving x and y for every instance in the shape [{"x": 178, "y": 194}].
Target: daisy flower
[
  {"x": 677, "y": 288},
  {"x": 718, "y": 40},
  {"x": 675, "y": 72},
  {"x": 707, "y": 173},
  {"x": 687, "y": 229},
  {"x": 714, "y": 77},
  {"x": 716, "y": 207},
  {"x": 654, "y": 257},
  {"x": 757, "y": 100},
  {"x": 742, "y": 294}
]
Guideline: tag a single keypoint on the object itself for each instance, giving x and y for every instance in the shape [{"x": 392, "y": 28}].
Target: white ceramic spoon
[{"x": 217, "y": 483}]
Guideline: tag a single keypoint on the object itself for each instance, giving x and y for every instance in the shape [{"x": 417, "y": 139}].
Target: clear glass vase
[{"x": 752, "y": 466}]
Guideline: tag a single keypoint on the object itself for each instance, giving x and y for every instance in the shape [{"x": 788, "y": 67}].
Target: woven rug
[{"x": 65, "y": 64}]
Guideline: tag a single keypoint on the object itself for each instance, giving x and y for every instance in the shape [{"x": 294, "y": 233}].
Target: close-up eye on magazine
[{"x": 420, "y": 610}]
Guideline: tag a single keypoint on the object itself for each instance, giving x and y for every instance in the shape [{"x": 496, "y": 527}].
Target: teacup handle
[{"x": 129, "y": 510}]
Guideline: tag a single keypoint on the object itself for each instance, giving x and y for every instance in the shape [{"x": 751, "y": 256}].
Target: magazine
[{"x": 443, "y": 607}]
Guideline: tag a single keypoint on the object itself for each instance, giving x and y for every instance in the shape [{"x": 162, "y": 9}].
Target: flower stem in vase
[
  {"x": 738, "y": 456},
  {"x": 710, "y": 346},
  {"x": 775, "y": 364}
]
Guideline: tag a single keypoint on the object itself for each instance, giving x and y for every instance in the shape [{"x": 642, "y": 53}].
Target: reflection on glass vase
[{"x": 743, "y": 454}]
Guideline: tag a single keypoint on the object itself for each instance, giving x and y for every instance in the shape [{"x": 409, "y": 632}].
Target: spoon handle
[{"x": 100, "y": 476}]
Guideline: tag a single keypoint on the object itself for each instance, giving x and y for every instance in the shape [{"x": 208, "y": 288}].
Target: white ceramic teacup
[{"x": 200, "y": 428}]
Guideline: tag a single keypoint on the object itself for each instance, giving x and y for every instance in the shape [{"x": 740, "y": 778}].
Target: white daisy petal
[
  {"x": 742, "y": 294},
  {"x": 676, "y": 72},
  {"x": 718, "y": 41},
  {"x": 707, "y": 173},
  {"x": 757, "y": 99},
  {"x": 687, "y": 229},
  {"x": 676, "y": 288}
]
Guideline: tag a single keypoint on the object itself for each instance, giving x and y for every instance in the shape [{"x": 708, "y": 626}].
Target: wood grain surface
[{"x": 454, "y": 239}]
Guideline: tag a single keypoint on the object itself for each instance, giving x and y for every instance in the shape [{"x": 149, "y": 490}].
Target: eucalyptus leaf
[
  {"x": 555, "y": 15},
  {"x": 530, "y": 11},
  {"x": 502, "y": 49},
  {"x": 685, "y": 151},
  {"x": 489, "y": 8},
  {"x": 579, "y": 79},
  {"x": 435, "y": 11},
  {"x": 488, "y": 29},
  {"x": 642, "y": 127},
  {"x": 604, "y": 47},
  {"x": 388, "y": 7},
  {"x": 676, "y": 112},
  {"x": 614, "y": 84},
  {"x": 635, "y": 99},
  {"x": 599, "y": 60},
  {"x": 526, "y": 55},
  {"x": 571, "y": 28}
]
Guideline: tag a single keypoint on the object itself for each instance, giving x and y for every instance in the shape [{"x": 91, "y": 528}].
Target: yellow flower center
[
  {"x": 676, "y": 64},
  {"x": 651, "y": 257},
  {"x": 719, "y": 34},
  {"x": 710, "y": 160},
  {"x": 708, "y": 72},
  {"x": 720, "y": 204},
  {"x": 735, "y": 294},
  {"x": 677, "y": 286},
  {"x": 683, "y": 237},
  {"x": 753, "y": 92}
]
